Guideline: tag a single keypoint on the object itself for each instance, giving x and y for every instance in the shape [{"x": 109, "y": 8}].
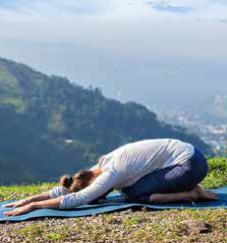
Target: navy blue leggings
[{"x": 177, "y": 178}]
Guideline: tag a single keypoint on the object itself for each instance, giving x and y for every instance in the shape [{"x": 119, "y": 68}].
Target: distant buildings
[{"x": 213, "y": 134}]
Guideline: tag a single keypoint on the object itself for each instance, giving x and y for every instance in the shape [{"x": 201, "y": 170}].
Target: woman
[{"x": 155, "y": 170}]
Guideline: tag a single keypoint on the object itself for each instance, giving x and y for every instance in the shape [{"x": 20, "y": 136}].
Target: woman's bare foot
[{"x": 199, "y": 194}]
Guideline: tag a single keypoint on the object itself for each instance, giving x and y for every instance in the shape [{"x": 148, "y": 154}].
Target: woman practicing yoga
[{"x": 155, "y": 170}]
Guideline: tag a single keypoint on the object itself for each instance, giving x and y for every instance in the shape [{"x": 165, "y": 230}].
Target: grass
[
  {"x": 21, "y": 191},
  {"x": 125, "y": 226},
  {"x": 217, "y": 175}
]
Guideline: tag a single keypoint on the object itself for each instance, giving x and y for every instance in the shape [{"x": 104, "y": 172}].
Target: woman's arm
[
  {"x": 99, "y": 187},
  {"x": 54, "y": 193},
  {"x": 49, "y": 199},
  {"x": 51, "y": 203},
  {"x": 35, "y": 198},
  {"x": 58, "y": 191},
  {"x": 39, "y": 197}
]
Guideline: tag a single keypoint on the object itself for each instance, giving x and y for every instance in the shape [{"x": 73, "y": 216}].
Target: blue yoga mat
[{"x": 113, "y": 203}]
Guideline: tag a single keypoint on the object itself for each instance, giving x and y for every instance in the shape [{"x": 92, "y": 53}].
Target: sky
[{"x": 164, "y": 53}]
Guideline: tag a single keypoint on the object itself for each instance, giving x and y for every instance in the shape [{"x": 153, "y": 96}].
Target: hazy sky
[{"x": 154, "y": 52}]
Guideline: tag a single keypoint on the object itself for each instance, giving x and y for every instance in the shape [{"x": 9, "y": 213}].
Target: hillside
[{"x": 50, "y": 126}]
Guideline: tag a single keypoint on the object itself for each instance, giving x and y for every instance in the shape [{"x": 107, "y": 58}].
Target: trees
[{"x": 33, "y": 139}]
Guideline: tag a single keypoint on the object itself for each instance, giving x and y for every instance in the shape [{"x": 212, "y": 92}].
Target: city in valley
[{"x": 208, "y": 121}]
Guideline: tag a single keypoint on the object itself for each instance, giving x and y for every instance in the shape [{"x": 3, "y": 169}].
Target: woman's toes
[
  {"x": 198, "y": 193},
  {"x": 208, "y": 195}
]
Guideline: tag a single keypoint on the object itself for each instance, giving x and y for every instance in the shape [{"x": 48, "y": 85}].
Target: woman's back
[{"x": 134, "y": 160}]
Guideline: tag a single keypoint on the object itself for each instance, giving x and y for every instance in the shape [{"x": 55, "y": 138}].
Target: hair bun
[{"x": 66, "y": 181}]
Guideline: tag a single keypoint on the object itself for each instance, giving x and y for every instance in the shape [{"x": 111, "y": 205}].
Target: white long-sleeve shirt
[{"x": 126, "y": 165}]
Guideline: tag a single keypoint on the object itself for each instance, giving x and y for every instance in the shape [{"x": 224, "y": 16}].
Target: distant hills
[
  {"x": 51, "y": 126},
  {"x": 210, "y": 111},
  {"x": 215, "y": 110}
]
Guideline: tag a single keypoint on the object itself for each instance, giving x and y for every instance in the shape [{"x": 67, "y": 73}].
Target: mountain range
[{"x": 50, "y": 126}]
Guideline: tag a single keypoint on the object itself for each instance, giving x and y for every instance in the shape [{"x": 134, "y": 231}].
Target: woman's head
[{"x": 79, "y": 181}]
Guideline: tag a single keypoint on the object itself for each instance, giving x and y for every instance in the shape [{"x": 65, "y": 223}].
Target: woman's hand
[
  {"x": 17, "y": 204},
  {"x": 23, "y": 202},
  {"x": 50, "y": 203},
  {"x": 21, "y": 210}
]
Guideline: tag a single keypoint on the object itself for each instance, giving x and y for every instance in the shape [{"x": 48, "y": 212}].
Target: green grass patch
[
  {"x": 32, "y": 232},
  {"x": 217, "y": 175},
  {"x": 21, "y": 191},
  {"x": 133, "y": 220},
  {"x": 55, "y": 236}
]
